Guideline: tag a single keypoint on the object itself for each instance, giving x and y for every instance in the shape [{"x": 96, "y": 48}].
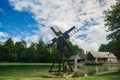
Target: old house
[{"x": 104, "y": 57}]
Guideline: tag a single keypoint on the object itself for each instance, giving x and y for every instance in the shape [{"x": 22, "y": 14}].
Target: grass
[
  {"x": 39, "y": 78},
  {"x": 24, "y": 63},
  {"x": 112, "y": 75},
  {"x": 109, "y": 76}
]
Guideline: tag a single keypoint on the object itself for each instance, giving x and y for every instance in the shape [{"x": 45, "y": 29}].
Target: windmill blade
[
  {"x": 70, "y": 32},
  {"x": 56, "y": 30},
  {"x": 54, "y": 40}
]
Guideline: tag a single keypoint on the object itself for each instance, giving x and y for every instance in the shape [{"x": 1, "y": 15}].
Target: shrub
[{"x": 78, "y": 74}]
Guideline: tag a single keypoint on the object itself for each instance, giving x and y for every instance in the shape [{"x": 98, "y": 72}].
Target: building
[
  {"x": 77, "y": 58},
  {"x": 103, "y": 57}
]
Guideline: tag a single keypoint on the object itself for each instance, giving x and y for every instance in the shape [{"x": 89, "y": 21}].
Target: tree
[
  {"x": 20, "y": 48},
  {"x": 1, "y": 52},
  {"x": 110, "y": 47},
  {"x": 112, "y": 19},
  {"x": 43, "y": 55},
  {"x": 30, "y": 54},
  {"x": 75, "y": 49},
  {"x": 37, "y": 52},
  {"x": 53, "y": 52},
  {"x": 8, "y": 49},
  {"x": 103, "y": 47}
]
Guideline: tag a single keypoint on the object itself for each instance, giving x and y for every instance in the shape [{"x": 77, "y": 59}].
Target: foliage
[
  {"x": 74, "y": 49},
  {"x": 20, "y": 50},
  {"x": 8, "y": 50},
  {"x": 36, "y": 52},
  {"x": 112, "y": 19},
  {"x": 78, "y": 74},
  {"x": 112, "y": 46},
  {"x": 53, "y": 52}
]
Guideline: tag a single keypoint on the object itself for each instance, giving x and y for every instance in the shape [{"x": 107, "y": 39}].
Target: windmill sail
[
  {"x": 56, "y": 30},
  {"x": 70, "y": 32}
]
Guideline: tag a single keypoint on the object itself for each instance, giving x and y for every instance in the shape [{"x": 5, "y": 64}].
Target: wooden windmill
[{"x": 62, "y": 47}]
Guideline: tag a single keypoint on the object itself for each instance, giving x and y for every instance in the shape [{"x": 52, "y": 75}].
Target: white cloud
[
  {"x": 2, "y": 34},
  {"x": 65, "y": 14},
  {"x": 32, "y": 38},
  {"x": 16, "y": 39}
]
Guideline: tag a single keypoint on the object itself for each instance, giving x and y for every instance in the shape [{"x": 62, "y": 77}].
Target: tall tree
[
  {"x": 37, "y": 52},
  {"x": 30, "y": 54},
  {"x": 1, "y": 52},
  {"x": 112, "y": 19},
  {"x": 20, "y": 48},
  {"x": 110, "y": 47},
  {"x": 9, "y": 50},
  {"x": 43, "y": 55},
  {"x": 75, "y": 49},
  {"x": 104, "y": 48}
]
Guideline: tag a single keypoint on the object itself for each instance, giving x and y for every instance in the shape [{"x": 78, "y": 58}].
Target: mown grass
[
  {"x": 109, "y": 76},
  {"x": 24, "y": 63},
  {"x": 112, "y": 75},
  {"x": 39, "y": 78}
]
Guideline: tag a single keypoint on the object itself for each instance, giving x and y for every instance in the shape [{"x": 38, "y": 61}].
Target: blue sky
[
  {"x": 14, "y": 22},
  {"x": 30, "y": 20}
]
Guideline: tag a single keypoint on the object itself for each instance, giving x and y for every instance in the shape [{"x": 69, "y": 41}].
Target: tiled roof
[
  {"x": 102, "y": 54},
  {"x": 82, "y": 56},
  {"x": 79, "y": 56},
  {"x": 72, "y": 57}
]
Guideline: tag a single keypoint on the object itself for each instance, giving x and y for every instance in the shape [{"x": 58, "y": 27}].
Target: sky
[{"x": 30, "y": 20}]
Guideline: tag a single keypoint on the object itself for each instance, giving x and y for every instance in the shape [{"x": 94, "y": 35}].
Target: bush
[{"x": 78, "y": 74}]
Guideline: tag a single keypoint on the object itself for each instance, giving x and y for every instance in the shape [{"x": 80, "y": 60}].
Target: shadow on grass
[
  {"x": 109, "y": 76},
  {"x": 115, "y": 75}
]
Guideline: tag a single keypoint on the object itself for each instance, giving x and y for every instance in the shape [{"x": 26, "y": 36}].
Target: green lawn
[
  {"x": 38, "y": 78},
  {"x": 112, "y": 75},
  {"x": 10, "y": 63},
  {"x": 109, "y": 76}
]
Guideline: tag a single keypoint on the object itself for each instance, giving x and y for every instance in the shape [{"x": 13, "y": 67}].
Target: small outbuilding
[
  {"x": 77, "y": 58},
  {"x": 104, "y": 57},
  {"x": 82, "y": 58}
]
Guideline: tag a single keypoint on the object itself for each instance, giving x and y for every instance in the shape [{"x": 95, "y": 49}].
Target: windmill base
[{"x": 62, "y": 67}]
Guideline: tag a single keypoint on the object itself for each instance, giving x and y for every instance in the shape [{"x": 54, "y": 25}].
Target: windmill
[{"x": 62, "y": 47}]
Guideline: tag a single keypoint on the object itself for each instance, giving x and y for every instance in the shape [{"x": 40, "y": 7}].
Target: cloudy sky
[{"x": 31, "y": 20}]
